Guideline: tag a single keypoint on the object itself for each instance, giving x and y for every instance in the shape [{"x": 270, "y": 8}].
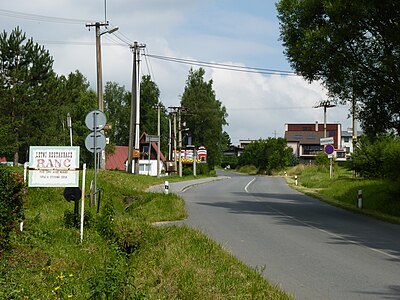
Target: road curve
[{"x": 311, "y": 249}]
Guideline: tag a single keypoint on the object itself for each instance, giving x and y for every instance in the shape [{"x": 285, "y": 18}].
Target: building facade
[{"x": 304, "y": 139}]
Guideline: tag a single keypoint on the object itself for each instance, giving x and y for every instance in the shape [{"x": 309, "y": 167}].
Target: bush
[
  {"x": 12, "y": 194},
  {"x": 322, "y": 160},
  {"x": 105, "y": 222},
  {"x": 379, "y": 158},
  {"x": 231, "y": 161},
  {"x": 202, "y": 169}
]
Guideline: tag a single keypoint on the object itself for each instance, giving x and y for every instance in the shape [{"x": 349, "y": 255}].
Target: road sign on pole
[
  {"x": 329, "y": 149},
  {"x": 326, "y": 141},
  {"x": 95, "y": 142},
  {"x": 96, "y": 120}
]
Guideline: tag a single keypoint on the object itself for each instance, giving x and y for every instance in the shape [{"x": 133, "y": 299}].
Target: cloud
[
  {"x": 245, "y": 33},
  {"x": 259, "y": 105}
]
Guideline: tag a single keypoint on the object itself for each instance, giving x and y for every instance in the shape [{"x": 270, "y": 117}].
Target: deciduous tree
[{"x": 353, "y": 47}]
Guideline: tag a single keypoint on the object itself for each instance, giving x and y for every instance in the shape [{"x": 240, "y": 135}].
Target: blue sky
[{"x": 234, "y": 32}]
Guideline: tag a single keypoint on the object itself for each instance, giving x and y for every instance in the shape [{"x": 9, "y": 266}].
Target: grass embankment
[
  {"x": 381, "y": 198},
  {"x": 122, "y": 255}
]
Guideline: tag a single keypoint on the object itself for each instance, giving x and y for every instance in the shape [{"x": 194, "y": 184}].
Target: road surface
[{"x": 310, "y": 249}]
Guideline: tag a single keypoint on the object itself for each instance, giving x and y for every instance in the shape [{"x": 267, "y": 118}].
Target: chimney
[{"x": 316, "y": 125}]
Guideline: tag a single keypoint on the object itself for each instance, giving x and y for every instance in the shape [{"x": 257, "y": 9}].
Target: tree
[
  {"x": 267, "y": 155},
  {"x": 205, "y": 115},
  {"x": 149, "y": 99},
  {"x": 76, "y": 98},
  {"x": 27, "y": 110},
  {"x": 354, "y": 48},
  {"x": 117, "y": 108}
]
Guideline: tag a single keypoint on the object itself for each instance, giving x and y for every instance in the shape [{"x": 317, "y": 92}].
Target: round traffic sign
[
  {"x": 95, "y": 143},
  {"x": 95, "y": 118},
  {"x": 329, "y": 149}
]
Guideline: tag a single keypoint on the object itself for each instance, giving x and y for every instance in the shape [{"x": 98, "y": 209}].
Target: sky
[{"x": 232, "y": 32}]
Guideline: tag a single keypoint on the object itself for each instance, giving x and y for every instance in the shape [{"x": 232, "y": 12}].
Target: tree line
[{"x": 34, "y": 102}]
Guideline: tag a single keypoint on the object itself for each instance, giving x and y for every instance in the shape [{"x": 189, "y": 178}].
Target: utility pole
[
  {"x": 134, "y": 128},
  {"x": 99, "y": 72},
  {"x": 159, "y": 138},
  {"x": 174, "y": 151},
  {"x": 354, "y": 113},
  {"x": 180, "y": 140},
  {"x": 325, "y": 104},
  {"x": 169, "y": 138},
  {"x": 176, "y": 114}
]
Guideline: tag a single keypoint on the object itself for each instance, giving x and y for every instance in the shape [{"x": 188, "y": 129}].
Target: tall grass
[{"x": 381, "y": 198}]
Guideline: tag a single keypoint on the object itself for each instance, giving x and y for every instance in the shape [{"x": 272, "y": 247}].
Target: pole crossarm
[{"x": 325, "y": 104}]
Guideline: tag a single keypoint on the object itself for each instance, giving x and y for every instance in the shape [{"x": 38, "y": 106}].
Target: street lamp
[
  {"x": 100, "y": 78},
  {"x": 98, "y": 60},
  {"x": 69, "y": 125}
]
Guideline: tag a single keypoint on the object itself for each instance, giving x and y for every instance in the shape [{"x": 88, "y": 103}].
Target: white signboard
[
  {"x": 326, "y": 141},
  {"x": 53, "y": 166}
]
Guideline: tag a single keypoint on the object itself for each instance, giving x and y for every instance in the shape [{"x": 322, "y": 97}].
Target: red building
[{"x": 305, "y": 138}]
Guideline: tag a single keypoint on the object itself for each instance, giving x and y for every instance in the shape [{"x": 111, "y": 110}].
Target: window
[
  {"x": 306, "y": 128},
  {"x": 340, "y": 154},
  {"x": 311, "y": 149},
  {"x": 346, "y": 139}
]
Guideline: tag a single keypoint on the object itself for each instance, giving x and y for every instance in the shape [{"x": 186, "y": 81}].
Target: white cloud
[{"x": 257, "y": 104}]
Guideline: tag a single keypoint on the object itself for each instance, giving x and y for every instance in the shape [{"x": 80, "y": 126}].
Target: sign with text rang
[{"x": 53, "y": 166}]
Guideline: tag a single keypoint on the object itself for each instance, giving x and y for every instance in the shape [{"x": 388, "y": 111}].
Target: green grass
[
  {"x": 123, "y": 256},
  {"x": 381, "y": 198}
]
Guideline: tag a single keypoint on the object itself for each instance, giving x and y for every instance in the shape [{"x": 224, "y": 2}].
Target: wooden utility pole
[
  {"x": 134, "y": 128},
  {"x": 325, "y": 104}
]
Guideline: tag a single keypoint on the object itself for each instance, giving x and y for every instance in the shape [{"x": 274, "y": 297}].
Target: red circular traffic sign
[{"x": 329, "y": 149}]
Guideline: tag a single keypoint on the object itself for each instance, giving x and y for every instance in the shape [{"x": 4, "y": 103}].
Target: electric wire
[
  {"x": 127, "y": 42},
  {"x": 228, "y": 67},
  {"x": 149, "y": 66},
  {"x": 41, "y": 18}
]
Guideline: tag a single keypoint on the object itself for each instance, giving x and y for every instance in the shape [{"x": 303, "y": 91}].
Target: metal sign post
[
  {"x": 329, "y": 149},
  {"x": 96, "y": 141}
]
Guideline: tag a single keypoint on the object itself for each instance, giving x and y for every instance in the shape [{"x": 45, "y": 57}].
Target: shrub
[
  {"x": 105, "y": 222},
  {"x": 12, "y": 194},
  {"x": 202, "y": 169},
  {"x": 378, "y": 158},
  {"x": 322, "y": 160}
]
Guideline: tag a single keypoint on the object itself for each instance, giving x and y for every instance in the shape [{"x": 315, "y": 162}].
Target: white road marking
[{"x": 247, "y": 185}]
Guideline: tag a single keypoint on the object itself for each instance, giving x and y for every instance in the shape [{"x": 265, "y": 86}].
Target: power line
[
  {"x": 82, "y": 43},
  {"x": 236, "y": 68},
  {"x": 34, "y": 17},
  {"x": 149, "y": 67}
]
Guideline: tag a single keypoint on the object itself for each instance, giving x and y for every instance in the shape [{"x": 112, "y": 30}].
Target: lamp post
[{"x": 69, "y": 125}]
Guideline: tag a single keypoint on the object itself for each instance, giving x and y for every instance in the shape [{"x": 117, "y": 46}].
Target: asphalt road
[{"x": 308, "y": 248}]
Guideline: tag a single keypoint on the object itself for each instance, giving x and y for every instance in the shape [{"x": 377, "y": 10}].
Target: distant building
[
  {"x": 147, "y": 162},
  {"x": 244, "y": 143},
  {"x": 347, "y": 141},
  {"x": 304, "y": 139}
]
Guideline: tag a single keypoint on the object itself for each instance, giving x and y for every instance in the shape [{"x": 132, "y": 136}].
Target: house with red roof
[{"x": 147, "y": 162}]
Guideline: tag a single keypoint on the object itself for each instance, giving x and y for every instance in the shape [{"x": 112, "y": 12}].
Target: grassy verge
[
  {"x": 381, "y": 199},
  {"x": 122, "y": 255}
]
